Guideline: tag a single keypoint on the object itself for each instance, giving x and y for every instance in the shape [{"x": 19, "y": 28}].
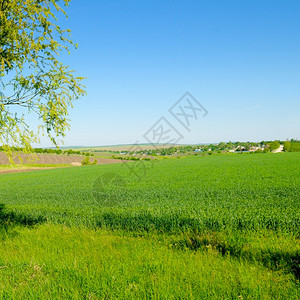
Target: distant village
[{"x": 230, "y": 147}]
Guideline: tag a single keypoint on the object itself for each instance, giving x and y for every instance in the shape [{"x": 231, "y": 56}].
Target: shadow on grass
[
  {"x": 274, "y": 259},
  {"x": 146, "y": 222},
  {"x": 10, "y": 219},
  {"x": 201, "y": 235}
]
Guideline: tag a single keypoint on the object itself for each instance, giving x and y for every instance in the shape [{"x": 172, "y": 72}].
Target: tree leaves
[{"x": 31, "y": 76}]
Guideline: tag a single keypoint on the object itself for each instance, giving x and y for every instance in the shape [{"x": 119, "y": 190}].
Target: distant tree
[
  {"x": 230, "y": 145},
  {"x": 295, "y": 146},
  {"x": 222, "y": 146},
  {"x": 247, "y": 146},
  {"x": 212, "y": 147},
  {"x": 86, "y": 162},
  {"x": 31, "y": 76},
  {"x": 287, "y": 146},
  {"x": 274, "y": 145}
]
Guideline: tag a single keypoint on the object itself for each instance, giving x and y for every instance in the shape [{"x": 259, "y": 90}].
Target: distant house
[
  {"x": 253, "y": 148},
  {"x": 240, "y": 148},
  {"x": 198, "y": 150}
]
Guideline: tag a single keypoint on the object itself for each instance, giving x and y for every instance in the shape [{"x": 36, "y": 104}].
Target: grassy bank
[{"x": 54, "y": 261}]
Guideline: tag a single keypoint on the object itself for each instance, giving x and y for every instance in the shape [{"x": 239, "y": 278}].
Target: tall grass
[{"x": 56, "y": 262}]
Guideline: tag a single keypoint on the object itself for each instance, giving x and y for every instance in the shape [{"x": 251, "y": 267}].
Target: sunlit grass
[{"x": 54, "y": 261}]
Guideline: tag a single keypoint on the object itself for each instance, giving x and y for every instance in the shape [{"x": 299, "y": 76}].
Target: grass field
[{"x": 220, "y": 226}]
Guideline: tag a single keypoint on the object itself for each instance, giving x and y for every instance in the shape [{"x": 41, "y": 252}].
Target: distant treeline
[
  {"x": 51, "y": 151},
  {"x": 130, "y": 158},
  {"x": 261, "y": 147},
  {"x": 222, "y": 147},
  {"x": 292, "y": 146}
]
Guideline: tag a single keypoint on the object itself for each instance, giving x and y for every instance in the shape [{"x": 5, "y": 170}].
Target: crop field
[{"x": 219, "y": 226}]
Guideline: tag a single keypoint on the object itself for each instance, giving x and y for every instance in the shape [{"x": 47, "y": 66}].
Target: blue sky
[{"x": 239, "y": 59}]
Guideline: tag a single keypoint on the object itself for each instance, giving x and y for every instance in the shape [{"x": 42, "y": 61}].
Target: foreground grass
[{"x": 55, "y": 261}]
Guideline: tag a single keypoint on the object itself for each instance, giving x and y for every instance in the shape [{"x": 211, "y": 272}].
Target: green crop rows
[{"x": 244, "y": 192}]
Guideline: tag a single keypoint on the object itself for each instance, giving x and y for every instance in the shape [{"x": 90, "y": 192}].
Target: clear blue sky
[{"x": 239, "y": 59}]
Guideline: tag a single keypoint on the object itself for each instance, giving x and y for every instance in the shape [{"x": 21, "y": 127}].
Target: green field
[{"x": 219, "y": 226}]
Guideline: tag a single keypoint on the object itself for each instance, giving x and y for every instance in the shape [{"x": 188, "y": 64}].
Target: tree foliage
[
  {"x": 274, "y": 145},
  {"x": 86, "y": 162},
  {"x": 32, "y": 79},
  {"x": 292, "y": 146},
  {"x": 287, "y": 146}
]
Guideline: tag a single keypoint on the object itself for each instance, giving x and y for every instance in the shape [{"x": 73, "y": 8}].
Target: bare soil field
[
  {"x": 54, "y": 159},
  {"x": 18, "y": 170}
]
